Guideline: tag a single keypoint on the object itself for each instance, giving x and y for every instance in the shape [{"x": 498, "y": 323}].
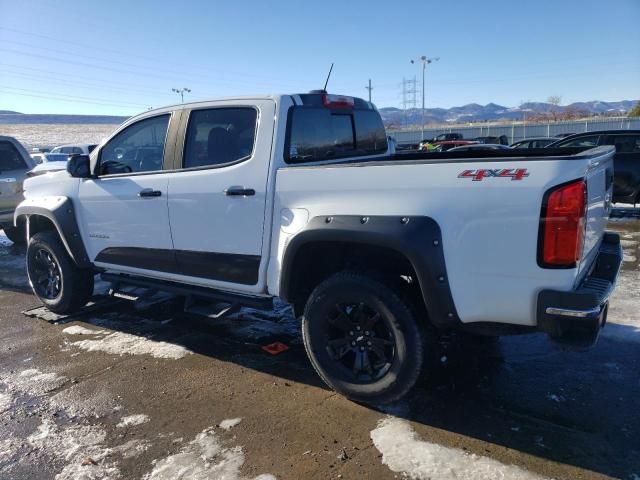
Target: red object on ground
[{"x": 275, "y": 348}]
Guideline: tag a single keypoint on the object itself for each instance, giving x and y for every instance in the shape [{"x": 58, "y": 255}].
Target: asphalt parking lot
[{"x": 160, "y": 394}]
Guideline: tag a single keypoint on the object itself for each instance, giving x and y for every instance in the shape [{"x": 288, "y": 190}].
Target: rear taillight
[
  {"x": 563, "y": 225},
  {"x": 337, "y": 101}
]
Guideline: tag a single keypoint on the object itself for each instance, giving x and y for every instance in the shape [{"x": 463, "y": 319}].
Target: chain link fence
[{"x": 519, "y": 130}]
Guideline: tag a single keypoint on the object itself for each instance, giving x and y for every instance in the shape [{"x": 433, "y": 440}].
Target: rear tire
[
  {"x": 363, "y": 341},
  {"x": 17, "y": 235},
  {"x": 56, "y": 281}
]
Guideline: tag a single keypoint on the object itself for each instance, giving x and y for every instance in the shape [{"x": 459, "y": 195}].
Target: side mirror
[{"x": 79, "y": 166}]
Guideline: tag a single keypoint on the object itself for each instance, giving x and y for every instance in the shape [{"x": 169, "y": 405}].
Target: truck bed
[{"x": 489, "y": 223}]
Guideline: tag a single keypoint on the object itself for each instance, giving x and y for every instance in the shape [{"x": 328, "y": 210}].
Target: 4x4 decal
[{"x": 480, "y": 174}]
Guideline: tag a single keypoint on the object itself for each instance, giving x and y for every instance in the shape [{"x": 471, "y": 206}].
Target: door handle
[
  {"x": 149, "y": 192},
  {"x": 239, "y": 192}
]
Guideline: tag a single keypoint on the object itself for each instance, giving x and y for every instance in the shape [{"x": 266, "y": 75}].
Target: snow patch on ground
[
  {"x": 229, "y": 423},
  {"x": 80, "y": 447},
  {"x": 132, "y": 420},
  {"x": 119, "y": 343},
  {"x": 5, "y": 401},
  {"x": 79, "y": 330},
  {"x": 4, "y": 241},
  {"x": 32, "y": 381},
  {"x": 202, "y": 458},
  {"x": 403, "y": 452},
  {"x": 628, "y": 243},
  {"x": 623, "y": 322}
]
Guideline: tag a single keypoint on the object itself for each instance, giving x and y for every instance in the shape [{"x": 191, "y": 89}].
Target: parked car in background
[
  {"x": 14, "y": 164},
  {"x": 626, "y": 181},
  {"x": 480, "y": 146},
  {"x": 446, "y": 136},
  {"x": 75, "y": 149},
  {"x": 534, "y": 142},
  {"x": 449, "y": 144},
  {"x": 430, "y": 144},
  {"x": 53, "y": 162},
  {"x": 502, "y": 139},
  {"x": 38, "y": 157}
]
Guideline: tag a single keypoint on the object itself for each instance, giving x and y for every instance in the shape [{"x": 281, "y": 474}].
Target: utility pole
[
  {"x": 369, "y": 88},
  {"x": 181, "y": 91},
  {"x": 424, "y": 61},
  {"x": 409, "y": 92}
]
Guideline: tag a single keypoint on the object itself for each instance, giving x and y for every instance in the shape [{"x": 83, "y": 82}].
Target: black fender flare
[
  {"x": 60, "y": 212},
  {"x": 418, "y": 238}
]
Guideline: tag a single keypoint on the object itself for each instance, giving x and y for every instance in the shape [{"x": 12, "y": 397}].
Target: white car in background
[
  {"x": 56, "y": 159},
  {"x": 73, "y": 149}
]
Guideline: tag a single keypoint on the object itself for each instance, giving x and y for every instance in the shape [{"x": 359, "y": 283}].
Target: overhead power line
[{"x": 59, "y": 96}]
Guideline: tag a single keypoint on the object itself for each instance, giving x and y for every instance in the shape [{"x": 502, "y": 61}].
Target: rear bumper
[{"x": 574, "y": 318}]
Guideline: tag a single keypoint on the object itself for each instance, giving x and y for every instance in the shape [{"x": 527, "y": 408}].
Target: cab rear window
[
  {"x": 317, "y": 133},
  {"x": 10, "y": 158}
]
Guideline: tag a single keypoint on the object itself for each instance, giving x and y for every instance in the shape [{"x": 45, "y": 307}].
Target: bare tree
[{"x": 554, "y": 100}]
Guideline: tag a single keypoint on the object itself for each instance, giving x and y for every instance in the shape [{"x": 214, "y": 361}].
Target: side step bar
[{"x": 189, "y": 291}]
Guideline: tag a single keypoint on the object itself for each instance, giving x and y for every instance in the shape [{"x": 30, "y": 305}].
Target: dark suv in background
[
  {"x": 626, "y": 182},
  {"x": 15, "y": 162}
]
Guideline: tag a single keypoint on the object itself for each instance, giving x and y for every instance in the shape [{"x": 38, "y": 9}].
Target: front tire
[
  {"x": 56, "y": 281},
  {"x": 17, "y": 235},
  {"x": 362, "y": 340}
]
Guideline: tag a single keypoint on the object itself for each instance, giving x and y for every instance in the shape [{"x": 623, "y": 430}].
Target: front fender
[{"x": 60, "y": 212}]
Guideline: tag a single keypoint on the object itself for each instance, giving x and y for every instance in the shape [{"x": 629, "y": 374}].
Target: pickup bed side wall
[{"x": 489, "y": 227}]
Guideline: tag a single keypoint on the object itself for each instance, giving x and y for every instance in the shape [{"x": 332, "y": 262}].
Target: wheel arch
[
  {"x": 395, "y": 244},
  {"x": 54, "y": 213}
]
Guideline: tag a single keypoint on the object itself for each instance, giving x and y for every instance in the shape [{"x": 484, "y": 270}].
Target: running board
[{"x": 189, "y": 291}]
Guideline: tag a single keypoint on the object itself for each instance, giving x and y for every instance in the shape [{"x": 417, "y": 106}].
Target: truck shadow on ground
[{"x": 521, "y": 393}]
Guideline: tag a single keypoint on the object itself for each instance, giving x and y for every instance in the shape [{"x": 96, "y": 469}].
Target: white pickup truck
[{"x": 241, "y": 200}]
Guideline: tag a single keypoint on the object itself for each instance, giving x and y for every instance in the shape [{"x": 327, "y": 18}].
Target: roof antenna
[{"x": 328, "y": 76}]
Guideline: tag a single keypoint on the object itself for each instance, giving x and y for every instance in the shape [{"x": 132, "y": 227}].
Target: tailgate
[{"x": 599, "y": 179}]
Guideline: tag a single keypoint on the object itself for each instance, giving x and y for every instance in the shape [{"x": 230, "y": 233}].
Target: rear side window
[
  {"x": 219, "y": 136},
  {"x": 625, "y": 143},
  {"x": 322, "y": 134},
  {"x": 10, "y": 158}
]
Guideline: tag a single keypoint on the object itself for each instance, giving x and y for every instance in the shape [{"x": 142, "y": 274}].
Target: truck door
[
  {"x": 123, "y": 211},
  {"x": 218, "y": 194}
]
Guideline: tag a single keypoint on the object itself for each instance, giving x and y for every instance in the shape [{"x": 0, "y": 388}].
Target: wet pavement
[{"x": 155, "y": 394}]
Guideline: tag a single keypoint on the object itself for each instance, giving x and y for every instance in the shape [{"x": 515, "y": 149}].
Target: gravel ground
[{"x": 160, "y": 394}]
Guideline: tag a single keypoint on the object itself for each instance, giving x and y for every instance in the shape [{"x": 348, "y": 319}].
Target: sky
[{"x": 117, "y": 57}]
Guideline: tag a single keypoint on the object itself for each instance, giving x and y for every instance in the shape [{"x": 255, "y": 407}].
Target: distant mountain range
[
  {"x": 395, "y": 117},
  {"x": 392, "y": 117}
]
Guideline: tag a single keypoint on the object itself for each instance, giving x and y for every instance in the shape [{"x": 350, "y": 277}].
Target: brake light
[
  {"x": 337, "y": 101},
  {"x": 563, "y": 225}
]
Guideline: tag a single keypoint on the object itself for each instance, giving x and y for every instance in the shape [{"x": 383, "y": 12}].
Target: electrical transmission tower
[{"x": 409, "y": 95}]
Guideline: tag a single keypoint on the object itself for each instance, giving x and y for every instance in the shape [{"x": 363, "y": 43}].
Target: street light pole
[
  {"x": 424, "y": 61},
  {"x": 181, "y": 91}
]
